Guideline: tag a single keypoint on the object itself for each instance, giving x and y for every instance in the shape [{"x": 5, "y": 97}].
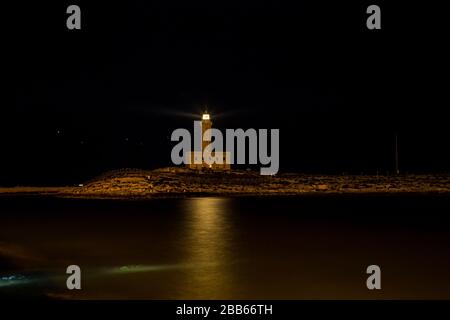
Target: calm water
[{"x": 223, "y": 248}]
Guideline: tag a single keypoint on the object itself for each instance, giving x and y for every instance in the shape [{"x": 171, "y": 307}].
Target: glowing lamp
[{"x": 205, "y": 116}]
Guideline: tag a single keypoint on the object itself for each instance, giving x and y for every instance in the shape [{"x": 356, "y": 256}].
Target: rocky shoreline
[
  {"x": 171, "y": 181},
  {"x": 182, "y": 182}
]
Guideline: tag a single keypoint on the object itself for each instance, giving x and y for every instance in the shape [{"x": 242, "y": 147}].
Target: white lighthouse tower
[{"x": 218, "y": 160}]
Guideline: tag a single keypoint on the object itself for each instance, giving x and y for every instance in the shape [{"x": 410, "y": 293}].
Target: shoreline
[{"x": 185, "y": 183}]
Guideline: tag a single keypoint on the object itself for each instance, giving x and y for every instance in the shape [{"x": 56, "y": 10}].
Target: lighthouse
[
  {"x": 206, "y": 125},
  {"x": 197, "y": 158}
]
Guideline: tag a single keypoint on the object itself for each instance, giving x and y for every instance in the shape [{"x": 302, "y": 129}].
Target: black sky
[{"x": 109, "y": 96}]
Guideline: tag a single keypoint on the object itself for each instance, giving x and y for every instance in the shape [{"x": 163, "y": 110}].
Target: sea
[{"x": 291, "y": 247}]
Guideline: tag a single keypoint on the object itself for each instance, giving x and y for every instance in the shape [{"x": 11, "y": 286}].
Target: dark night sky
[{"x": 110, "y": 95}]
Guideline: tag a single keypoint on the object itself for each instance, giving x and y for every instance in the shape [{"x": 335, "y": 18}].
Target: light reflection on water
[
  {"x": 193, "y": 253},
  {"x": 237, "y": 248},
  {"x": 207, "y": 241}
]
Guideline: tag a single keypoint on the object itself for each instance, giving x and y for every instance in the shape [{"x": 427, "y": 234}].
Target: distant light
[
  {"x": 205, "y": 116},
  {"x": 13, "y": 280},
  {"x": 143, "y": 268}
]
